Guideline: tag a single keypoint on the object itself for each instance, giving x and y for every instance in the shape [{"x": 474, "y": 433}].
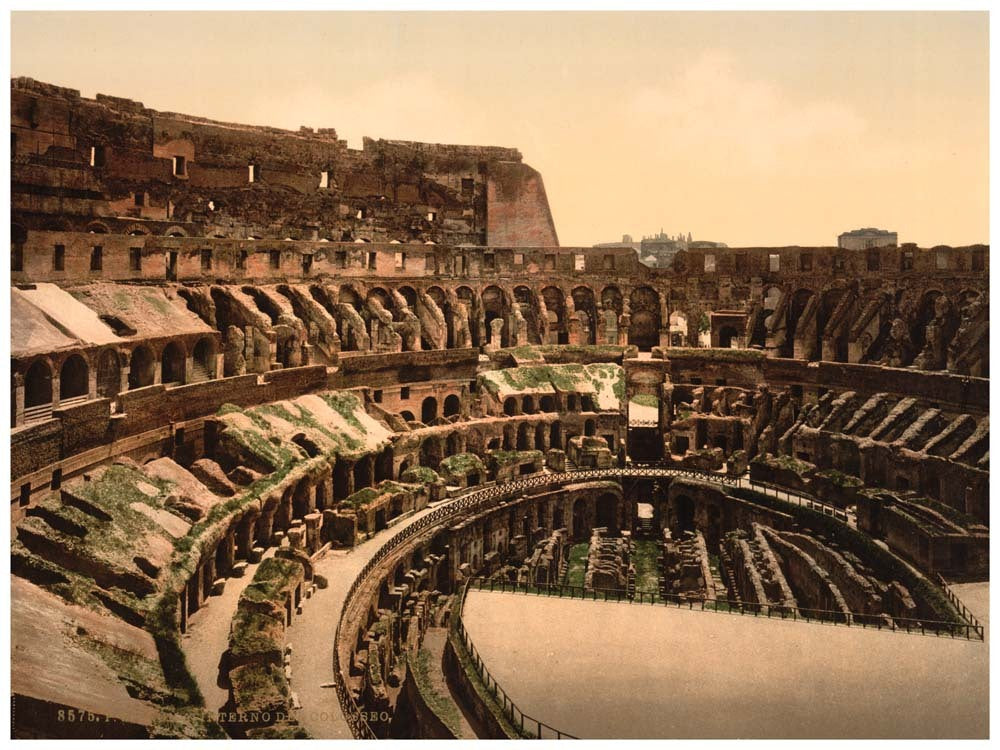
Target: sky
[{"x": 749, "y": 128}]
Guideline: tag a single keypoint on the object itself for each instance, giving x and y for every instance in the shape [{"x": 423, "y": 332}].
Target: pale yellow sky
[{"x": 746, "y": 128}]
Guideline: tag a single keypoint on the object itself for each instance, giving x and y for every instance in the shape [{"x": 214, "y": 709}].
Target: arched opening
[
  {"x": 452, "y": 405},
  {"x": 510, "y": 406},
  {"x": 141, "y": 369},
  {"x": 73, "y": 376},
  {"x": 644, "y": 331},
  {"x": 540, "y": 437},
  {"x": 203, "y": 366},
  {"x": 590, "y": 428},
  {"x": 555, "y": 436},
  {"x": 547, "y": 404},
  {"x": 407, "y": 416},
  {"x": 429, "y": 410},
  {"x": 685, "y": 513},
  {"x": 363, "y": 473},
  {"x": 797, "y": 306},
  {"x": 454, "y": 444},
  {"x": 495, "y": 307},
  {"x": 528, "y": 405},
  {"x": 109, "y": 379},
  {"x": 555, "y": 308},
  {"x": 583, "y": 302},
  {"x": 172, "y": 365},
  {"x": 38, "y": 385},
  {"x": 607, "y": 513}
]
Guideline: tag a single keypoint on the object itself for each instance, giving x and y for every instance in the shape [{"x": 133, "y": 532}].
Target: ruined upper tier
[{"x": 78, "y": 160}]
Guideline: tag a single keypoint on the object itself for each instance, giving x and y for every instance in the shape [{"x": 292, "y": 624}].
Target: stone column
[
  {"x": 18, "y": 397},
  {"x": 188, "y": 368},
  {"x": 92, "y": 382},
  {"x": 55, "y": 388},
  {"x": 313, "y": 522}
]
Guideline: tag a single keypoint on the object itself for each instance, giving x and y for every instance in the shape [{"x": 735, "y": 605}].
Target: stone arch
[
  {"x": 547, "y": 403},
  {"x": 175, "y": 231},
  {"x": 527, "y": 303},
  {"x": 496, "y": 306},
  {"x": 612, "y": 299},
  {"x": 796, "y": 306},
  {"x": 583, "y": 302},
  {"x": 644, "y": 329},
  {"x": 142, "y": 367},
  {"x": 452, "y": 405},
  {"x": 172, "y": 363},
  {"x": 510, "y": 406},
  {"x": 555, "y": 311},
  {"x": 528, "y": 405},
  {"x": 524, "y": 437},
  {"x": 428, "y": 410},
  {"x": 97, "y": 227},
  {"x": 38, "y": 384},
  {"x": 204, "y": 359},
  {"x": 74, "y": 377},
  {"x": 431, "y": 452}
]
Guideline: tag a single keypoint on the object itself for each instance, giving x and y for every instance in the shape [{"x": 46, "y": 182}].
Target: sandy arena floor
[{"x": 596, "y": 669}]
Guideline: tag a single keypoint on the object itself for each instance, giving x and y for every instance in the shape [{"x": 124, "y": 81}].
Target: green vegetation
[
  {"x": 576, "y": 569},
  {"x": 647, "y": 571},
  {"x": 506, "y": 458},
  {"x": 442, "y": 705},
  {"x": 955, "y": 516},
  {"x": 421, "y": 475},
  {"x": 646, "y": 399},
  {"x": 840, "y": 479},
  {"x": 462, "y": 464}
]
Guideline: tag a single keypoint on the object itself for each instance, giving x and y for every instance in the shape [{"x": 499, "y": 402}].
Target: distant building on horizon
[
  {"x": 658, "y": 250},
  {"x": 868, "y": 237}
]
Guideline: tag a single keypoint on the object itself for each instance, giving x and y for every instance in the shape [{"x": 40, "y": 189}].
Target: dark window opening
[
  {"x": 98, "y": 156},
  {"x": 307, "y": 263},
  {"x": 371, "y": 260},
  {"x": 468, "y": 186},
  {"x": 241, "y": 262},
  {"x": 978, "y": 260},
  {"x": 180, "y": 166},
  {"x": 404, "y": 392},
  {"x": 340, "y": 258},
  {"x": 377, "y": 396},
  {"x": 275, "y": 257},
  {"x": 59, "y": 258},
  {"x": 206, "y": 260},
  {"x": 140, "y": 199},
  {"x": 135, "y": 258},
  {"x": 874, "y": 260},
  {"x": 25, "y": 494},
  {"x": 96, "y": 258},
  {"x": 179, "y": 436},
  {"x": 56, "y": 479}
]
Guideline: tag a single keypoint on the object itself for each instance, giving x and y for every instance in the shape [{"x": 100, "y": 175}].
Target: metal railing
[
  {"x": 519, "y": 720},
  {"x": 968, "y": 631},
  {"x": 485, "y": 497},
  {"x": 960, "y": 606}
]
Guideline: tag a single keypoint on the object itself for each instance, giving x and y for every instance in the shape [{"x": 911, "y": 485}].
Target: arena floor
[{"x": 596, "y": 669}]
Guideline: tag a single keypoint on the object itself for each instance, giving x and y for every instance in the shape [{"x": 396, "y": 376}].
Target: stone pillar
[
  {"x": 265, "y": 527},
  {"x": 92, "y": 382},
  {"x": 18, "y": 396},
  {"x": 244, "y": 535},
  {"x": 55, "y": 388},
  {"x": 125, "y": 370},
  {"x": 157, "y": 372},
  {"x": 228, "y": 545},
  {"x": 188, "y": 368},
  {"x": 313, "y": 523}
]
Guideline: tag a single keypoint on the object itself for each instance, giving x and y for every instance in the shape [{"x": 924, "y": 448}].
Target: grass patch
[
  {"x": 576, "y": 568},
  {"x": 647, "y": 571}
]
